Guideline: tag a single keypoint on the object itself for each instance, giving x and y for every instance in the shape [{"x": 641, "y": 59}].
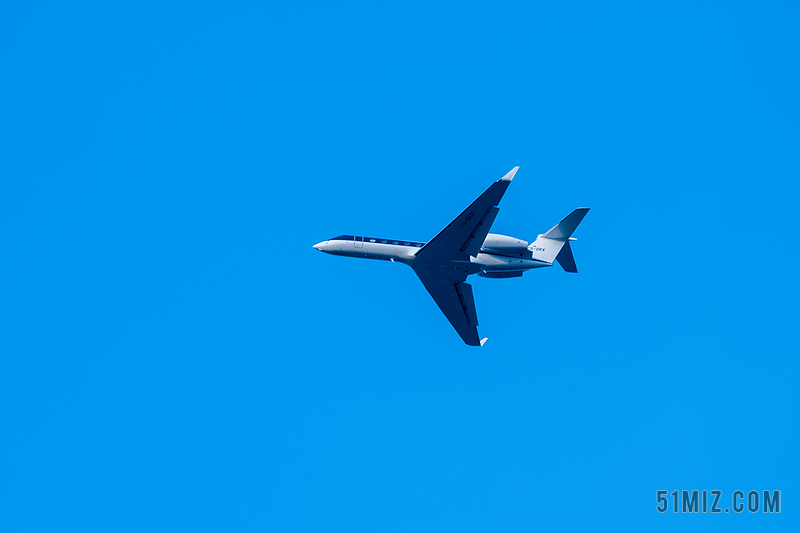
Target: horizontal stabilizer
[
  {"x": 566, "y": 259},
  {"x": 564, "y": 229}
]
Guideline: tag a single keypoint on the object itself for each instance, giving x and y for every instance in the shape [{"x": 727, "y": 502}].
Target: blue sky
[{"x": 176, "y": 356}]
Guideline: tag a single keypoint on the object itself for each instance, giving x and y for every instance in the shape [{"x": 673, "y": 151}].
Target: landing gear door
[{"x": 359, "y": 242}]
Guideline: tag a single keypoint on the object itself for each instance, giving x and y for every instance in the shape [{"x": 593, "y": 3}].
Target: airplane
[{"x": 466, "y": 247}]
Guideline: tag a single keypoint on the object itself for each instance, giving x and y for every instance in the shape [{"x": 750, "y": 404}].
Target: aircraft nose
[{"x": 320, "y": 246}]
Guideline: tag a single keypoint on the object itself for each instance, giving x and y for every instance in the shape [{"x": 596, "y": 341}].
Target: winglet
[
  {"x": 510, "y": 175},
  {"x": 483, "y": 340}
]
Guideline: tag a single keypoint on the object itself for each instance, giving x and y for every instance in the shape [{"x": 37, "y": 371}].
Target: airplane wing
[
  {"x": 465, "y": 234},
  {"x": 455, "y": 300},
  {"x": 443, "y": 264}
]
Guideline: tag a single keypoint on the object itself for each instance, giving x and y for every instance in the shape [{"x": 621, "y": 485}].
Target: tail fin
[{"x": 555, "y": 243}]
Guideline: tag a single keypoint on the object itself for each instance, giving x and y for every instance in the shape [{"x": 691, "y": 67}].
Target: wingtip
[
  {"x": 483, "y": 340},
  {"x": 510, "y": 175}
]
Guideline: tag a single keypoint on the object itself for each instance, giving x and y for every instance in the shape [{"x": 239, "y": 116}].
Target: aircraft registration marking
[{"x": 466, "y": 220}]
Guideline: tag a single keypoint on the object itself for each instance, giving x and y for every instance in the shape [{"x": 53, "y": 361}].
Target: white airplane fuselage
[{"x": 486, "y": 263}]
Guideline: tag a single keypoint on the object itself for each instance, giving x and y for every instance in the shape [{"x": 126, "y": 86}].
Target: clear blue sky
[{"x": 176, "y": 356}]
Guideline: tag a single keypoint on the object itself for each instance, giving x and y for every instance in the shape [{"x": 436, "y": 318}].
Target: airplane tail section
[
  {"x": 566, "y": 260},
  {"x": 554, "y": 245}
]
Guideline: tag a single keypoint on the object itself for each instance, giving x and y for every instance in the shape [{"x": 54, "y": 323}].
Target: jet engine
[{"x": 505, "y": 245}]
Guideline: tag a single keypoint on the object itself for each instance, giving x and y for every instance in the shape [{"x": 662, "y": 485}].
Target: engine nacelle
[{"x": 505, "y": 245}]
